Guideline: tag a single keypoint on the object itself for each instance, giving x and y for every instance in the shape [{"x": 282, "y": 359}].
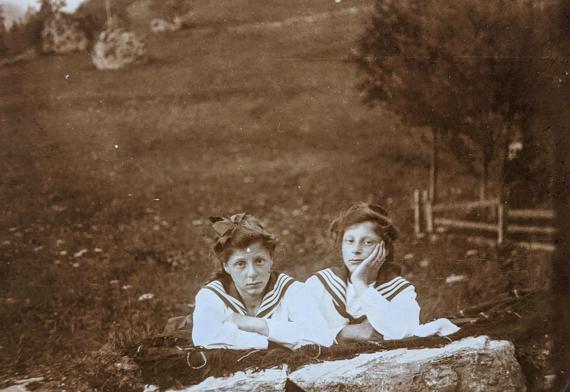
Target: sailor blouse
[
  {"x": 390, "y": 306},
  {"x": 292, "y": 321}
]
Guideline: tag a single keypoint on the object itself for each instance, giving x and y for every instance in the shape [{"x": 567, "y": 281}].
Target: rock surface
[
  {"x": 470, "y": 364},
  {"x": 22, "y": 385},
  {"x": 117, "y": 48},
  {"x": 63, "y": 34},
  {"x": 269, "y": 380}
]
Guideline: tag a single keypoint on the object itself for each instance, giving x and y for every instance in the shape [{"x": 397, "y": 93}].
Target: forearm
[
  {"x": 251, "y": 324},
  {"x": 211, "y": 328},
  {"x": 393, "y": 319},
  {"x": 282, "y": 332}
]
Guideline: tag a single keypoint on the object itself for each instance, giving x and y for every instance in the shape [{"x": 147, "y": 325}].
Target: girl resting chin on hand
[{"x": 364, "y": 297}]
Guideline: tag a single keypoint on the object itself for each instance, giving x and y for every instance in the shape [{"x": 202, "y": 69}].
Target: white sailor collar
[{"x": 276, "y": 288}]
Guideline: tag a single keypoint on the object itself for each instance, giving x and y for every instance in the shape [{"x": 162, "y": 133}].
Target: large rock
[
  {"x": 117, "y": 48},
  {"x": 470, "y": 364},
  {"x": 268, "y": 380},
  {"x": 61, "y": 33}
]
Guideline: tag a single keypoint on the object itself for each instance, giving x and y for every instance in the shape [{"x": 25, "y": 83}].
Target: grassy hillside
[{"x": 107, "y": 178}]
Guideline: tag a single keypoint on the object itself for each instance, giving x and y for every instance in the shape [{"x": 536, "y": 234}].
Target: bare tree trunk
[
  {"x": 433, "y": 167},
  {"x": 483, "y": 181}
]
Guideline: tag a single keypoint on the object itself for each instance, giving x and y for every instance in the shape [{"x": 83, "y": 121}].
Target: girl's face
[
  {"x": 358, "y": 241},
  {"x": 250, "y": 268}
]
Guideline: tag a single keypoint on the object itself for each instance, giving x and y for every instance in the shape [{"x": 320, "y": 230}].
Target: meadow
[{"x": 108, "y": 179}]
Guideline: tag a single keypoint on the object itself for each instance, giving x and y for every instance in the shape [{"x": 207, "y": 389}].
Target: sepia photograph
[{"x": 284, "y": 196}]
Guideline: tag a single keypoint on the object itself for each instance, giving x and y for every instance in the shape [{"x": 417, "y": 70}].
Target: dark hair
[
  {"x": 238, "y": 231},
  {"x": 368, "y": 212}
]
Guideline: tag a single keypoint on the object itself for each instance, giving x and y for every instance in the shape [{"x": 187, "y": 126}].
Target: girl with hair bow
[{"x": 247, "y": 304}]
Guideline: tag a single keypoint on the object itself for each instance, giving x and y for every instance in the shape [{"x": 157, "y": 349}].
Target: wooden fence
[{"x": 503, "y": 223}]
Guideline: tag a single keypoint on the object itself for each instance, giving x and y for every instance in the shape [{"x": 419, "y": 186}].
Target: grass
[{"x": 107, "y": 180}]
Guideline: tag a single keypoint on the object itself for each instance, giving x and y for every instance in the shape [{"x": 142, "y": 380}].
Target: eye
[
  {"x": 239, "y": 264},
  {"x": 260, "y": 261},
  {"x": 349, "y": 241}
]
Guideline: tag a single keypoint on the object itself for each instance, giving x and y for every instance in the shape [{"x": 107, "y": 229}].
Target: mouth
[
  {"x": 355, "y": 261},
  {"x": 253, "y": 285}
]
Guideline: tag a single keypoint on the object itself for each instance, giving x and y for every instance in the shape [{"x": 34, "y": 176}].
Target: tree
[
  {"x": 3, "y": 47},
  {"x": 49, "y": 7},
  {"x": 457, "y": 67}
]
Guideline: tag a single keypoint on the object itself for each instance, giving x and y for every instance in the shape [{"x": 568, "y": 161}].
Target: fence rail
[
  {"x": 465, "y": 224},
  {"x": 502, "y": 219},
  {"x": 531, "y": 214},
  {"x": 465, "y": 206},
  {"x": 531, "y": 229}
]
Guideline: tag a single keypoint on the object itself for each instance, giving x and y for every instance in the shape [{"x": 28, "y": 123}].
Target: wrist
[
  {"x": 359, "y": 285},
  {"x": 264, "y": 327}
]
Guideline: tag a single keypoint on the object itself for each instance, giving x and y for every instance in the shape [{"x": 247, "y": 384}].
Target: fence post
[
  {"x": 500, "y": 223},
  {"x": 417, "y": 212},
  {"x": 427, "y": 212}
]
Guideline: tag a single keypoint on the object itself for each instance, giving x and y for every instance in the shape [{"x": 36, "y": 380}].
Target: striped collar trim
[
  {"x": 230, "y": 301},
  {"x": 393, "y": 288},
  {"x": 270, "y": 300},
  {"x": 336, "y": 285}
]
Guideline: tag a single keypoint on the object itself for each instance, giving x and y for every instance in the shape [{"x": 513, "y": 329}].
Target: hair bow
[{"x": 224, "y": 225}]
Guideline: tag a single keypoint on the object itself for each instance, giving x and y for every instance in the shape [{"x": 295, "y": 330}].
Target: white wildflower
[{"x": 146, "y": 297}]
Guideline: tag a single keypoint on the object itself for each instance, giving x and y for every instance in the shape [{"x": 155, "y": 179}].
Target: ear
[{"x": 225, "y": 267}]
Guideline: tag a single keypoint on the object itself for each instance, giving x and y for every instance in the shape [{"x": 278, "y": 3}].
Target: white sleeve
[
  {"x": 316, "y": 293},
  {"x": 211, "y": 330},
  {"x": 305, "y": 324},
  {"x": 396, "y": 319}
]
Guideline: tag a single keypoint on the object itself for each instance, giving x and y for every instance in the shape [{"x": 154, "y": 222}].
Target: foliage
[
  {"x": 94, "y": 15},
  {"x": 50, "y": 7},
  {"x": 3, "y": 48},
  {"x": 26, "y": 34},
  {"x": 459, "y": 67}
]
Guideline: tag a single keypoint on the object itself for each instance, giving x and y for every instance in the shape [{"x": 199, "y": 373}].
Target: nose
[
  {"x": 251, "y": 271},
  {"x": 357, "y": 248}
]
